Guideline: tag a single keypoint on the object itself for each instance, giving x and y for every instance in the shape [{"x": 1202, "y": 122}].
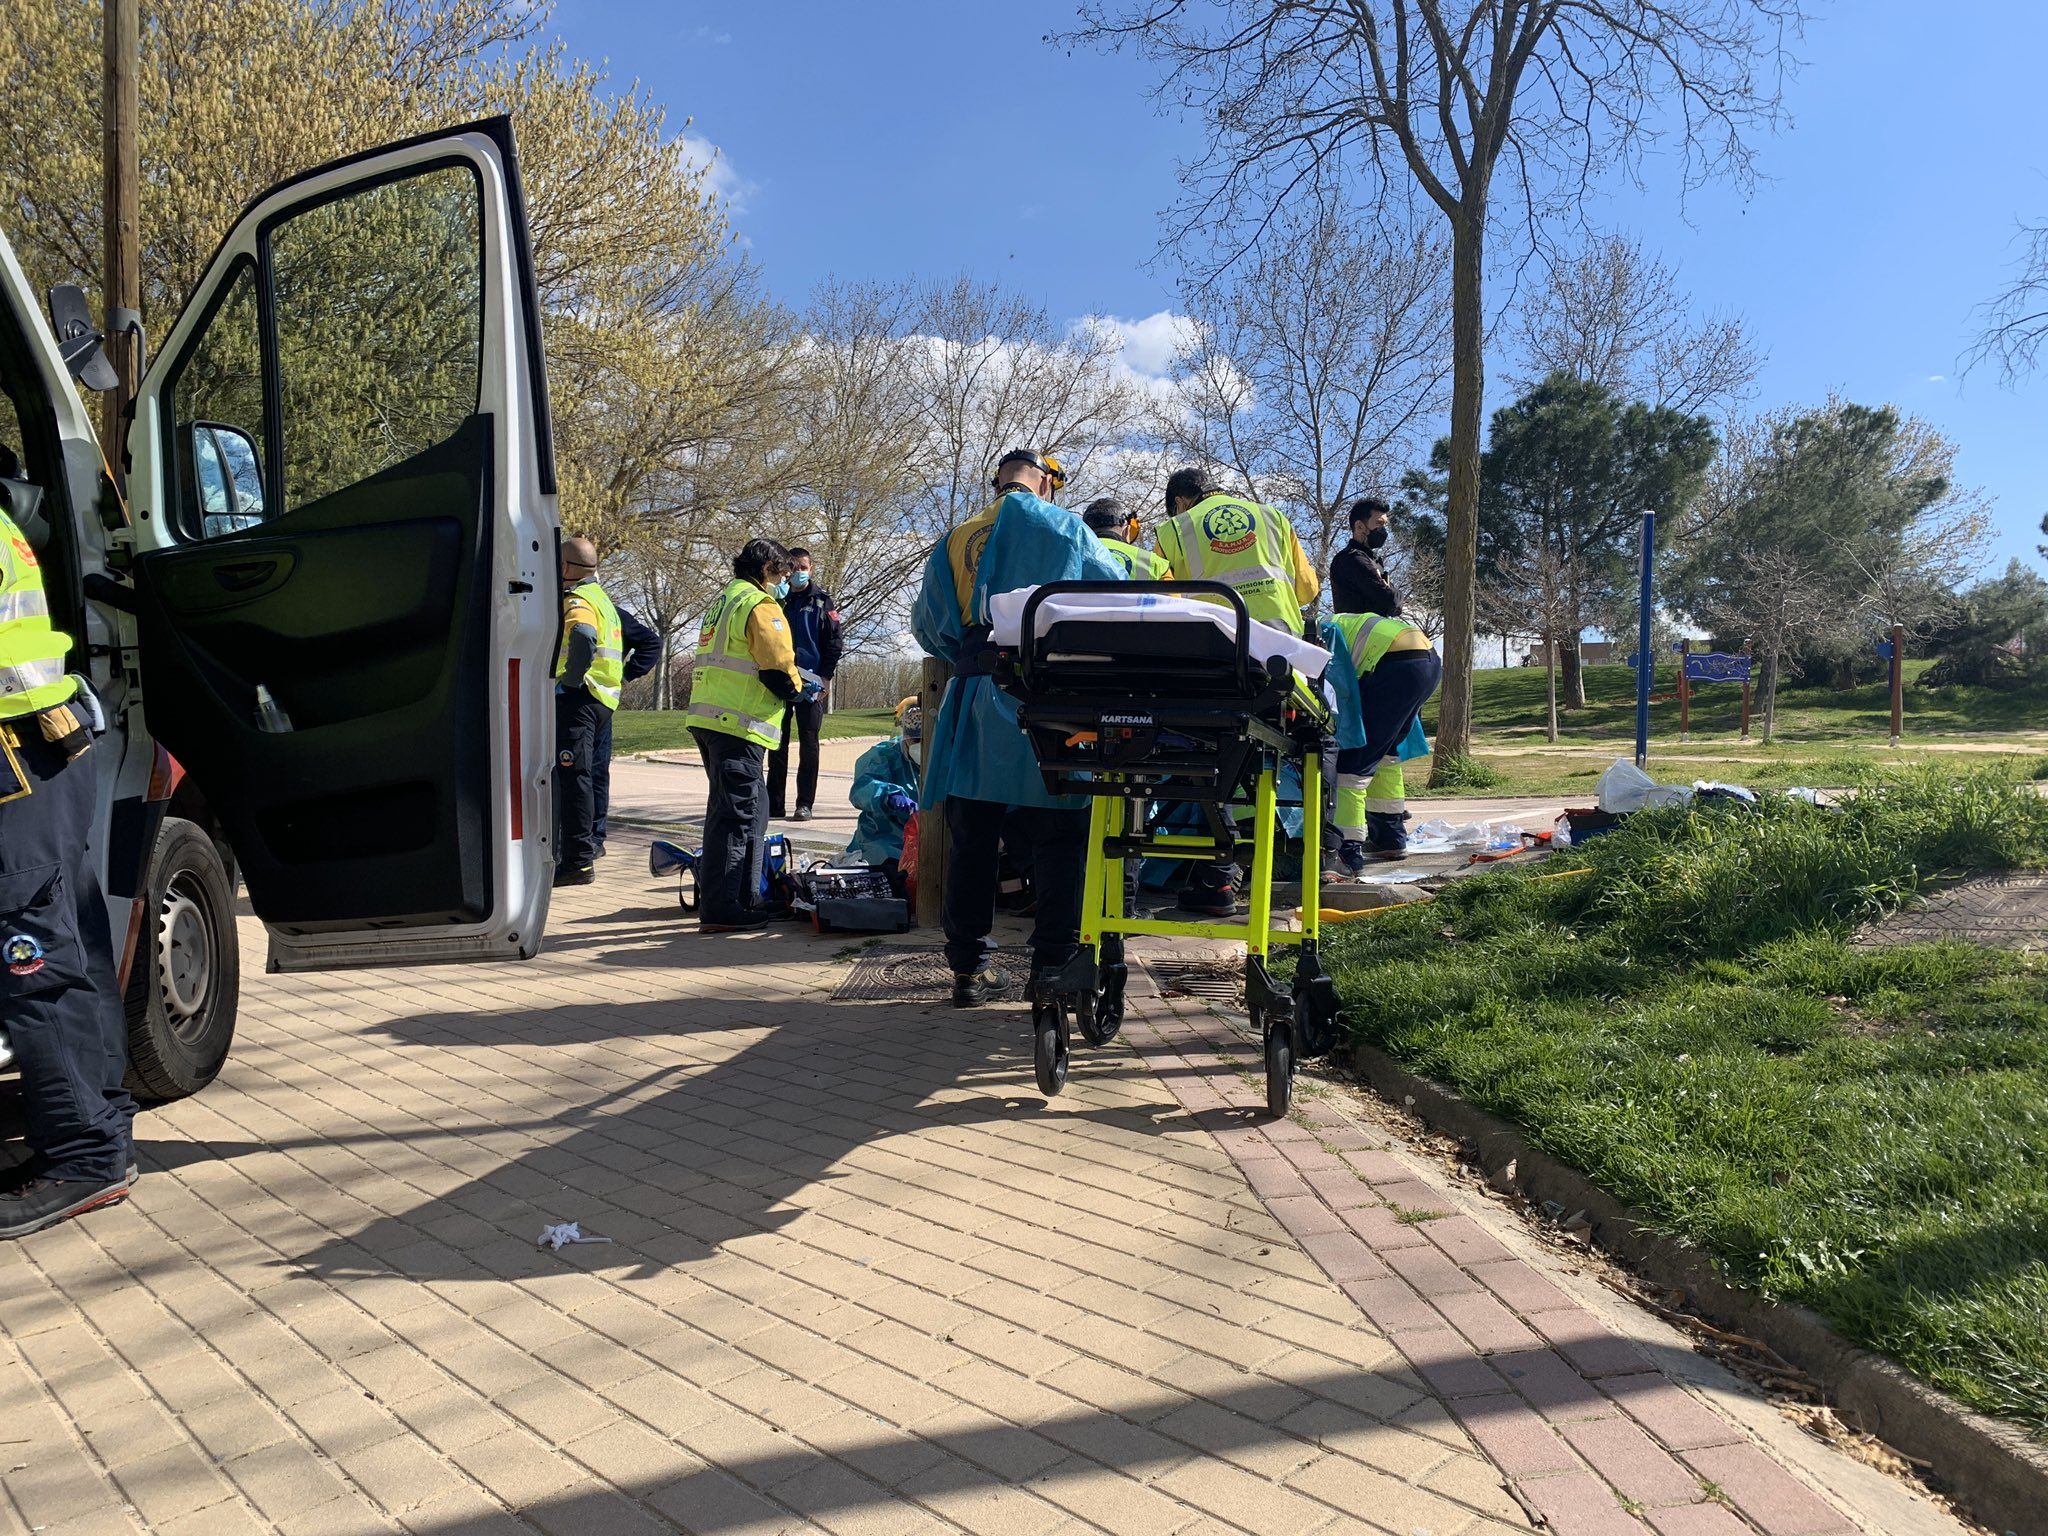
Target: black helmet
[
  {"x": 1044, "y": 463},
  {"x": 1106, "y": 514}
]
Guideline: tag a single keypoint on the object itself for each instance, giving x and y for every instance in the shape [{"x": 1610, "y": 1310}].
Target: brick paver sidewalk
[{"x": 861, "y": 1278}]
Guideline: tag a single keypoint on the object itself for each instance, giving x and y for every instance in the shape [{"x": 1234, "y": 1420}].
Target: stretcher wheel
[
  {"x": 1109, "y": 1003},
  {"x": 1049, "y": 1047},
  {"x": 686, "y": 890},
  {"x": 1279, "y": 1067},
  {"x": 1088, "y": 1016}
]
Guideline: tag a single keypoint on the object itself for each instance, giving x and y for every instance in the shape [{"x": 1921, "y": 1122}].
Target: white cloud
[
  {"x": 1148, "y": 346},
  {"x": 720, "y": 179},
  {"x": 1937, "y": 378}
]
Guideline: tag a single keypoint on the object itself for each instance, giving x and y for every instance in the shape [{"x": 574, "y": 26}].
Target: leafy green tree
[
  {"x": 1567, "y": 472},
  {"x": 632, "y": 254},
  {"x": 1819, "y": 526},
  {"x": 2001, "y": 632}
]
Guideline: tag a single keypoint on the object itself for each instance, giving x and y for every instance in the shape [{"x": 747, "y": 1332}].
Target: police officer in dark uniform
[{"x": 59, "y": 999}]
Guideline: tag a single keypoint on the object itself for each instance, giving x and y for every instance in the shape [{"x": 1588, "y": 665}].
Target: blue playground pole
[{"x": 1645, "y": 659}]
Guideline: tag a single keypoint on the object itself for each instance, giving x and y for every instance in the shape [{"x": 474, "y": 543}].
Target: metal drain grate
[
  {"x": 897, "y": 975},
  {"x": 1213, "y": 981}
]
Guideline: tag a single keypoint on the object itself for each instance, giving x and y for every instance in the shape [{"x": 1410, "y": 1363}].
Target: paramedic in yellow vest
[
  {"x": 58, "y": 993},
  {"x": 590, "y": 669},
  {"x": 1115, "y": 527},
  {"x": 741, "y": 688},
  {"x": 1209, "y": 536},
  {"x": 1384, "y": 671}
]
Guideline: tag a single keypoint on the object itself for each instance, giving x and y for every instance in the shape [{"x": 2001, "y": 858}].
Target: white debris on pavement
[{"x": 564, "y": 1233}]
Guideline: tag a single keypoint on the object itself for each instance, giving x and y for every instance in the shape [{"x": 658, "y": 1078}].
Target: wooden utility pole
[
  {"x": 933, "y": 846},
  {"x": 1745, "y": 695},
  {"x": 121, "y": 172},
  {"x": 1898, "y": 683}
]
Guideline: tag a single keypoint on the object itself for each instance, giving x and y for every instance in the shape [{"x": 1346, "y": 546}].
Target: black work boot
[
  {"x": 15, "y": 1178},
  {"x": 973, "y": 988},
  {"x": 42, "y": 1202},
  {"x": 570, "y": 874}
]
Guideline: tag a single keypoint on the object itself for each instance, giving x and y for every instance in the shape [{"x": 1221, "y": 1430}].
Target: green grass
[
  {"x": 1824, "y": 737},
  {"x": 668, "y": 730},
  {"x": 1862, "y": 1131},
  {"x": 1508, "y": 702}
]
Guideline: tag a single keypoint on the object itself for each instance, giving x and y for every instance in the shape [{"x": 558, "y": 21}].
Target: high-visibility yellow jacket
[
  {"x": 589, "y": 604},
  {"x": 744, "y": 635},
  {"x": 1252, "y": 547},
  {"x": 32, "y": 652},
  {"x": 1139, "y": 564},
  {"x": 1369, "y": 637}
]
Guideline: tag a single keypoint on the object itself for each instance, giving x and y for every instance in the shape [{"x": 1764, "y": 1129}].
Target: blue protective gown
[
  {"x": 978, "y": 750},
  {"x": 1351, "y": 707},
  {"x": 885, "y": 769}
]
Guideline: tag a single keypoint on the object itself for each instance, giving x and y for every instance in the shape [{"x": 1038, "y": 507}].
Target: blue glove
[{"x": 901, "y": 804}]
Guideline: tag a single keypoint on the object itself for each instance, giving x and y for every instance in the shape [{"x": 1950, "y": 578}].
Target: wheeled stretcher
[{"x": 1136, "y": 697}]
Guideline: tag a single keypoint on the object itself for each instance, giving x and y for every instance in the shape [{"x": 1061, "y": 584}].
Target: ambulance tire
[{"x": 186, "y": 974}]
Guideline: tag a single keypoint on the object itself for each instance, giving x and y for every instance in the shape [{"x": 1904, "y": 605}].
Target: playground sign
[{"x": 1716, "y": 667}]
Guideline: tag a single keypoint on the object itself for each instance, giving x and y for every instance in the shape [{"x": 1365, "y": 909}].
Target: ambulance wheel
[
  {"x": 186, "y": 972},
  {"x": 686, "y": 890},
  {"x": 1279, "y": 1069},
  {"x": 1049, "y": 1047}
]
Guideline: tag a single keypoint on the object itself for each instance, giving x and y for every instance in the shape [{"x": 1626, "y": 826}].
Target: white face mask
[{"x": 914, "y": 750}]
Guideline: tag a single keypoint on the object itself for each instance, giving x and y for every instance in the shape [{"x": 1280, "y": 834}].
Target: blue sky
[{"x": 901, "y": 136}]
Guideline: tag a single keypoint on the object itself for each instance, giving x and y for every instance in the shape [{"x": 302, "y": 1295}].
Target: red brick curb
[{"x": 1589, "y": 1435}]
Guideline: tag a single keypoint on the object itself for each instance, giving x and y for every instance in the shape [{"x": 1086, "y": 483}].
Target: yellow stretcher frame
[{"x": 1102, "y": 892}]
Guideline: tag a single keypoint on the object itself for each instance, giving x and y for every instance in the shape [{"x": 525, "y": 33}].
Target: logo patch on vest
[
  {"x": 1229, "y": 530},
  {"x": 23, "y": 954},
  {"x": 565, "y": 758},
  {"x": 977, "y": 542},
  {"x": 22, "y": 552}
]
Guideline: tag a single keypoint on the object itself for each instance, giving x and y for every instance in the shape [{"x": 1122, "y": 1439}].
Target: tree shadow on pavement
[{"x": 677, "y": 1124}]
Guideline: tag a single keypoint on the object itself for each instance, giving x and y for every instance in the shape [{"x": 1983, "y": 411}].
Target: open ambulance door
[{"x": 343, "y": 489}]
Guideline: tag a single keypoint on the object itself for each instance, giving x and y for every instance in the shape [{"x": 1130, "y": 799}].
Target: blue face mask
[
  {"x": 780, "y": 589},
  {"x": 799, "y": 579}
]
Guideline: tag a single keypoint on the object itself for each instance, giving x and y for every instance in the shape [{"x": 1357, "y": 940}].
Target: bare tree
[
  {"x": 1915, "y": 579},
  {"x": 1313, "y": 370},
  {"x": 1430, "y": 99},
  {"x": 2015, "y": 319},
  {"x": 991, "y": 371},
  {"x": 862, "y": 447},
  {"x": 1614, "y": 316}
]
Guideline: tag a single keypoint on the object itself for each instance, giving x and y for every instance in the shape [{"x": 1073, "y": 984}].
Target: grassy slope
[
  {"x": 1862, "y": 1131},
  {"x": 1825, "y": 736}
]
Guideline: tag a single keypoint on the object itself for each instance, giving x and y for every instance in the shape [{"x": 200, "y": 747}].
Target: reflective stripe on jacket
[
  {"x": 1369, "y": 637},
  {"x": 726, "y": 691},
  {"x": 32, "y": 675},
  {"x": 607, "y": 672}
]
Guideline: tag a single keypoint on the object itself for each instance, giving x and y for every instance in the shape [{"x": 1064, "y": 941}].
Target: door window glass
[
  {"x": 219, "y": 380},
  {"x": 378, "y": 307}
]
